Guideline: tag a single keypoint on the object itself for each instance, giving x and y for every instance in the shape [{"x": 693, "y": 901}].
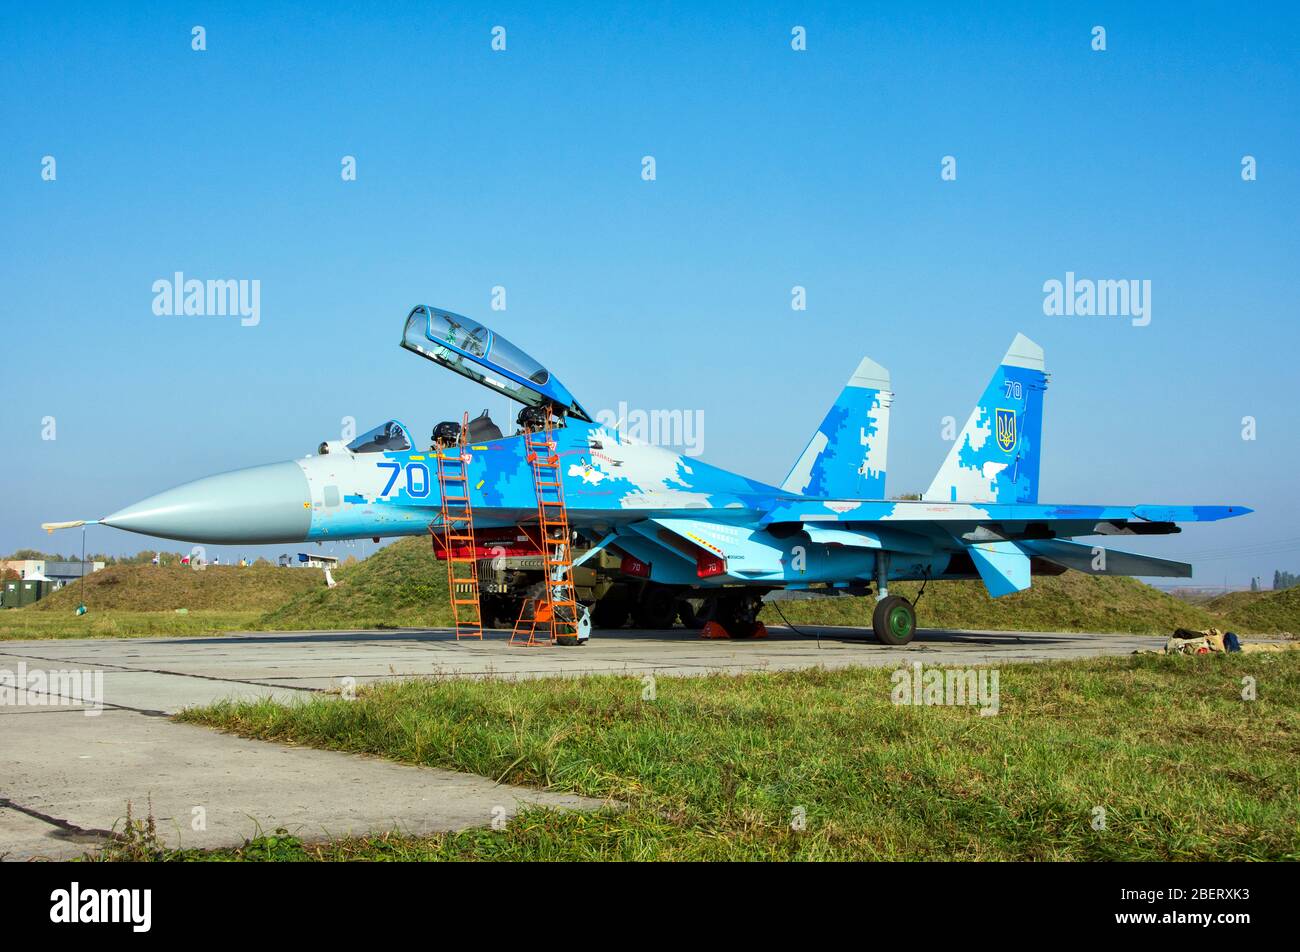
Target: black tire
[
  {"x": 657, "y": 608},
  {"x": 610, "y": 612},
  {"x": 696, "y": 618},
  {"x": 499, "y": 611},
  {"x": 894, "y": 621},
  {"x": 738, "y": 614}
]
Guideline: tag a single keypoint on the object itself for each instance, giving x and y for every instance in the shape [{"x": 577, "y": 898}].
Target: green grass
[
  {"x": 1262, "y": 611},
  {"x": 716, "y": 766},
  {"x": 25, "y": 623}
]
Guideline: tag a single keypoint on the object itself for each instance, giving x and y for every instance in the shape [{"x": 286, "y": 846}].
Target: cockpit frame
[{"x": 474, "y": 351}]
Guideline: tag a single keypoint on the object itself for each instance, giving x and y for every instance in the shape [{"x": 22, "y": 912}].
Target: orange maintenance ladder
[
  {"x": 557, "y": 611},
  {"x": 458, "y": 535}
]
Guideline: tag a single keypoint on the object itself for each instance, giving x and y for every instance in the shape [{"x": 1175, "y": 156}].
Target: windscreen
[{"x": 388, "y": 437}]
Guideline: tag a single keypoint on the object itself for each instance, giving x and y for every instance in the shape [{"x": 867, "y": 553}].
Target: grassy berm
[
  {"x": 1261, "y": 611},
  {"x": 160, "y": 601},
  {"x": 1070, "y": 602},
  {"x": 403, "y": 585},
  {"x": 165, "y": 588},
  {"x": 1137, "y": 758}
]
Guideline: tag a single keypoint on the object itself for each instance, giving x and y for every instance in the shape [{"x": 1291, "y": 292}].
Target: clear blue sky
[{"x": 775, "y": 168}]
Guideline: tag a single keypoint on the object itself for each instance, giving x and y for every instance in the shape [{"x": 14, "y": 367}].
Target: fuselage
[
  {"x": 679, "y": 521},
  {"x": 689, "y": 522}
]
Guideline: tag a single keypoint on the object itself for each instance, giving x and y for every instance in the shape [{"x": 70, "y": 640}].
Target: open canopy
[{"x": 485, "y": 357}]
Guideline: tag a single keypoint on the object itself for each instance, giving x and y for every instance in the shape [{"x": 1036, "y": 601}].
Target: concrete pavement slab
[
  {"x": 69, "y": 777},
  {"x": 65, "y": 778}
]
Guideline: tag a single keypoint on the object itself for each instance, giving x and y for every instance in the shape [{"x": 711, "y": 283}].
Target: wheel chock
[
  {"x": 712, "y": 629},
  {"x": 760, "y": 630}
]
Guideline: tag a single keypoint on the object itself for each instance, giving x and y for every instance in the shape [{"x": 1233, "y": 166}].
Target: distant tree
[
  {"x": 1283, "y": 580},
  {"x": 23, "y": 555},
  {"x": 1254, "y": 584},
  {"x": 146, "y": 556}
]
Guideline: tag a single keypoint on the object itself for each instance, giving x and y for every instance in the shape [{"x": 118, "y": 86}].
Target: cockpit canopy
[
  {"x": 390, "y": 437},
  {"x": 474, "y": 351}
]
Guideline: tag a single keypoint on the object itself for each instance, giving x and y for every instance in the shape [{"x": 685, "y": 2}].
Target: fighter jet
[{"x": 685, "y": 529}]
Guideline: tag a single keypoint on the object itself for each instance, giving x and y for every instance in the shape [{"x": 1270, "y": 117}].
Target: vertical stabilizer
[
  {"x": 846, "y": 456},
  {"x": 996, "y": 455}
]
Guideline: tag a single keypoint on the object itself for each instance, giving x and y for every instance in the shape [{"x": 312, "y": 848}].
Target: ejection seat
[{"x": 482, "y": 429}]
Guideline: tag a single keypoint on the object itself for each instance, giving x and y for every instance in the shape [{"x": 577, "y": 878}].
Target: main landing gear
[
  {"x": 894, "y": 620},
  {"x": 735, "y": 615},
  {"x": 729, "y": 614}
]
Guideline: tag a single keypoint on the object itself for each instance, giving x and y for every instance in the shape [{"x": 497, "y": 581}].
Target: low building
[
  {"x": 55, "y": 572},
  {"x": 26, "y": 568},
  {"x": 317, "y": 561},
  {"x": 61, "y": 573}
]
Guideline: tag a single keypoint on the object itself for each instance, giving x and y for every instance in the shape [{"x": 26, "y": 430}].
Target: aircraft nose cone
[{"x": 260, "y": 504}]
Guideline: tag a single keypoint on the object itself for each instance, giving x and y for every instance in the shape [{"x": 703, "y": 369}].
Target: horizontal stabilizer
[
  {"x": 1003, "y": 566},
  {"x": 1096, "y": 560}
]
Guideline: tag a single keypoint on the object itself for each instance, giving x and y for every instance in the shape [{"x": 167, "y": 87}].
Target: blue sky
[{"x": 775, "y": 168}]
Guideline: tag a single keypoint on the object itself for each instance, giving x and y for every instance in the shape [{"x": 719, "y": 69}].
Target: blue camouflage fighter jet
[{"x": 690, "y": 531}]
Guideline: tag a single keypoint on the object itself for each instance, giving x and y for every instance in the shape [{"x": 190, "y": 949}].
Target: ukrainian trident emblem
[{"x": 1006, "y": 429}]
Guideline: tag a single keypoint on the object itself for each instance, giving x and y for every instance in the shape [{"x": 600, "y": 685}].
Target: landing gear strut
[{"x": 894, "y": 620}]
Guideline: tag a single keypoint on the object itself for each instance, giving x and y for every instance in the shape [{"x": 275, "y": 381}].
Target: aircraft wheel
[
  {"x": 738, "y": 614},
  {"x": 657, "y": 608},
  {"x": 894, "y": 620},
  {"x": 499, "y": 611},
  {"x": 696, "y": 618},
  {"x": 610, "y": 612}
]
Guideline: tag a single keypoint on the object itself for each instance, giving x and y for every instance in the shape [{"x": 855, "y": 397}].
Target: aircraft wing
[
  {"x": 839, "y": 542},
  {"x": 1108, "y": 520}
]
